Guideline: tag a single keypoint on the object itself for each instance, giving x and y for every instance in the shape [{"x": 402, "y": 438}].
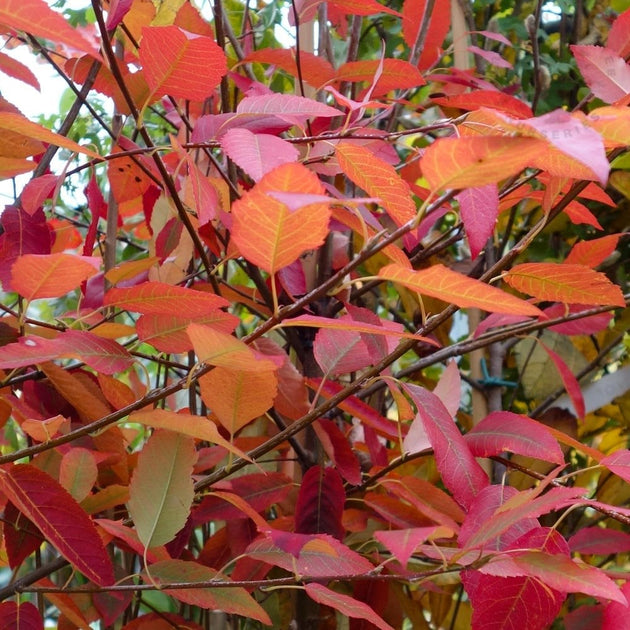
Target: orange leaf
[
  {"x": 270, "y": 233},
  {"x": 12, "y": 167},
  {"x": 18, "y": 70},
  {"x": 568, "y": 283},
  {"x": 594, "y": 252},
  {"x": 378, "y": 179},
  {"x": 16, "y": 122},
  {"x": 157, "y": 298},
  {"x": 181, "y": 64},
  {"x": 195, "y": 426},
  {"x": 396, "y": 74},
  {"x": 218, "y": 348},
  {"x": 37, "y": 18},
  {"x": 477, "y": 160},
  {"x": 36, "y": 276},
  {"x": 237, "y": 397},
  {"x": 441, "y": 282},
  {"x": 316, "y": 71}
]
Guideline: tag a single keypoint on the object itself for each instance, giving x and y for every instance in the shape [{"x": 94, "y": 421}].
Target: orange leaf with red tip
[
  {"x": 445, "y": 284},
  {"x": 396, "y": 74},
  {"x": 181, "y": 64},
  {"x": 378, "y": 179},
  {"x": 36, "y": 276},
  {"x": 568, "y": 283},
  {"x": 269, "y": 232}
]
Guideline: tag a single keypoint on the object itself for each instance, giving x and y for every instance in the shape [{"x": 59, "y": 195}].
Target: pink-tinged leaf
[
  {"x": 618, "y": 37},
  {"x": 496, "y": 320},
  {"x": 356, "y": 408},
  {"x": 194, "y": 426},
  {"x": 599, "y": 541},
  {"x": 605, "y": 72},
  {"x": 243, "y": 510},
  {"x": 571, "y": 384},
  {"x": 293, "y": 109},
  {"x": 403, "y": 542},
  {"x": 461, "y": 473},
  {"x": 486, "y": 504},
  {"x": 259, "y": 490},
  {"x": 257, "y": 153},
  {"x": 503, "y": 431},
  {"x": 204, "y": 194},
  {"x": 214, "y": 126},
  {"x": 445, "y": 284},
  {"x": 22, "y": 616},
  {"x": 161, "y": 621},
  {"x": 345, "y": 604},
  {"x": 507, "y": 603},
  {"x": 568, "y": 283},
  {"x": 238, "y": 396},
  {"x": 234, "y": 601},
  {"x": 616, "y": 615},
  {"x": 158, "y": 298},
  {"x": 491, "y": 99},
  {"x": 448, "y": 389},
  {"x": 519, "y": 507},
  {"x": 568, "y": 576},
  {"x": 271, "y": 233},
  {"x": 104, "y": 355},
  {"x": 44, "y": 276},
  {"x": 318, "y": 555},
  {"x": 573, "y": 138},
  {"x": 479, "y": 208},
  {"x": 60, "y": 519},
  {"x": 340, "y": 351},
  {"x": 78, "y": 472},
  {"x": 585, "y": 326},
  {"x": 472, "y": 161},
  {"x": 319, "y": 506},
  {"x": 593, "y": 252},
  {"x": 13, "y": 68},
  {"x": 180, "y": 64},
  {"x": 338, "y": 449},
  {"x": 38, "y": 19},
  {"x": 493, "y": 58},
  {"x": 618, "y": 463},
  {"x": 379, "y": 179},
  {"x": 117, "y": 11},
  {"x": 161, "y": 490},
  {"x": 167, "y": 333}
]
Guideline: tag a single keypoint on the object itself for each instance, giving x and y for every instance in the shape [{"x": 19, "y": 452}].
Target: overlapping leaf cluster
[{"x": 349, "y": 320}]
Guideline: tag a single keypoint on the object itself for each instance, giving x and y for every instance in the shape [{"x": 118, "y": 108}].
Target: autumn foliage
[{"x": 316, "y": 336}]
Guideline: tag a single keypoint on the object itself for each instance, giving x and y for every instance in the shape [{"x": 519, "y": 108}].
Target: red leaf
[
  {"x": 479, "y": 208},
  {"x": 571, "y": 384},
  {"x": 158, "y": 298},
  {"x": 618, "y": 37},
  {"x": 461, "y": 473},
  {"x": 320, "y": 503},
  {"x": 38, "y": 19},
  {"x": 507, "y": 602},
  {"x": 396, "y": 74},
  {"x": 21, "y": 537},
  {"x": 600, "y": 541},
  {"x": 340, "y": 351},
  {"x": 561, "y": 282},
  {"x": 345, "y": 604},
  {"x": 259, "y": 153},
  {"x": 37, "y": 191},
  {"x": 440, "y": 21},
  {"x": 104, "y": 355},
  {"x": 491, "y": 99},
  {"x": 361, "y": 7},
  {"x": 445, "y": 284},
  {"x": 618, "y": 463},
  {"x": 604, "y": 71},
  {"x": 338, "y": 449},
  {"x": 616, "y": 615},
  {"x": 60, "y": 519},
  {"x": 19, "y": 71},
  {"x": 236, "y": 601},
  {"x": 378, "y": 178},
  {"x": 44, "y": 276},
  {"x": 585, "y": 326},
  {"x": 403, "y": 542},
  {"x": 181, "y": 64},
  {"x": 22, "y": 616},
  {"x": 503, "y": 431}
]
